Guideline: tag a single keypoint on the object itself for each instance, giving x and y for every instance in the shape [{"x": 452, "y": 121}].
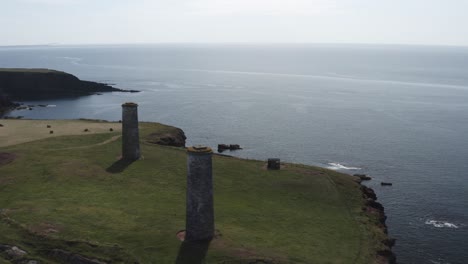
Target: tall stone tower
[
  {"x": 130, "y": 134},
  {"x": 199, "y": 223}
]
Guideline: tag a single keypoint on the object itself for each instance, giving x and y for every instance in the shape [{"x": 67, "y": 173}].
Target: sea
[{"x": 396, "y": 113}]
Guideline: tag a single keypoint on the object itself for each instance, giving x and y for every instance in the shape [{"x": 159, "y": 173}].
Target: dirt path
[
  {"x": 112, "y": 139},
  {"x": 14, "y": 132}
]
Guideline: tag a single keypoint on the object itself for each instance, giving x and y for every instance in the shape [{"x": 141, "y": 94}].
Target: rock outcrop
[
  {"x": 43, "y": 83},
  {"x": 377, "y": 211},
  {"x": 175, "y": 138}
]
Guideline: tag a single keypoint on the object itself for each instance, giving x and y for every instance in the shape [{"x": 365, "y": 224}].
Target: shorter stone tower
[
  {"x": 200, "y": 212},
  {"x": 130, "y": 134}
]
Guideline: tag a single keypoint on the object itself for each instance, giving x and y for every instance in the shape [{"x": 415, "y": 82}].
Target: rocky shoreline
[{"x": 376, "y": 210}]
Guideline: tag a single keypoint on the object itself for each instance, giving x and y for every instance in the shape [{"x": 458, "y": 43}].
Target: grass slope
[{"x": 58, "y": 194}]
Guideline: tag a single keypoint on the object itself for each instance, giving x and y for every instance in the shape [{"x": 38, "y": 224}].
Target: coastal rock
[
  {"x": 234, "y": 147},
  {"x": 363, "y": 177},
  {"x": 175, "y": 138},
  {"x": 386, "y": 257},
  {"x": 376, "y": 211},
  {"x": 368, "y": 193},
  {"x": 223, "y": 147}
]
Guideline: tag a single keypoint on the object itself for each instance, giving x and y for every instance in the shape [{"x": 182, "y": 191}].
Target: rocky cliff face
[
  {"x": 33, "y": 83},
  {"x": 176, "y": 138}
]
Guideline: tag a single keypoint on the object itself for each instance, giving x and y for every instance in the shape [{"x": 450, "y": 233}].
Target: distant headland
[{"x": 20, "y": 84}]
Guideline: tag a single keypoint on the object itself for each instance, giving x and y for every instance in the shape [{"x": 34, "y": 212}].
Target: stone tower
[
  {"x": 130, "y": 135},
  {"x": 200, "y": 212}
]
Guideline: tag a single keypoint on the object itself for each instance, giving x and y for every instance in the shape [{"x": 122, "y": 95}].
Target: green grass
[{"x": 300, "y": 214}]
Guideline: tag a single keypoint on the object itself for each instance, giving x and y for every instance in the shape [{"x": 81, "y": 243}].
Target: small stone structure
[
  {"x": 274, "y": 164},
  {"x": 130, "y": 134},
  {"x": 200, "y": 212}
]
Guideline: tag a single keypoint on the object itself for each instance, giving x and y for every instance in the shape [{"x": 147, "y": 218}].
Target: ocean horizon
[{"x": 394, "y": 112}]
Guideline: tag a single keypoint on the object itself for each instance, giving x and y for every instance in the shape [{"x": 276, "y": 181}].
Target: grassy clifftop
[{"x": 69, "y": 194}]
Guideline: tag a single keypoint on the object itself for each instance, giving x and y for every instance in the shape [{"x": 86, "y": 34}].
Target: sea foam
[
  {"x": 338, "y": 166},
  {"x": 440, "y": 224}
]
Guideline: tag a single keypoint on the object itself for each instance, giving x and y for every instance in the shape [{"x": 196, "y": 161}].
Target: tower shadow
[
  {"x": 119, "y": 166},
  {"x": 193, "y": 252}
]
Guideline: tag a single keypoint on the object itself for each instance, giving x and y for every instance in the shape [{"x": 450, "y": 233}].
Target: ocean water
[{"x": 397, "y": 113}]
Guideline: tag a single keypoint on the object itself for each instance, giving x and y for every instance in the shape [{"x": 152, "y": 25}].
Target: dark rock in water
[
  {"x": 42, "y": 105},
  {"x": 1, "y": 125},
  {"x": 386, "y": 183},
  {"x": 86, "y": 130},
  {"x": 51, "y": 132},
  {"x": 111, "y": 129},
  {"x": 363, "y": 177},
  {"x": 222, "y": 147},
  {"x": 49, "y": 126},
  {"x": 175, "y": 138},
  {"x": 234, "y": 147}
]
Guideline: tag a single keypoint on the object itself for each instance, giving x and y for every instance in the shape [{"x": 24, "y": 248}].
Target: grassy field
[
  {"x": 20, "y": 131},
  {"x": 61, "y": 193}
]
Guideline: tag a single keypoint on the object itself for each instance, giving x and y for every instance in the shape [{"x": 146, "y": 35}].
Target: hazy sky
[{"x": 433, "y": 22}]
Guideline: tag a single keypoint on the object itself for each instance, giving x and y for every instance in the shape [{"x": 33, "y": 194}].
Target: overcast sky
[{"x": 430, "y": 22}]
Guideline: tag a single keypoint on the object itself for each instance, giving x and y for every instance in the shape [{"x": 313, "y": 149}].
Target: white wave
[
  {"x": 440, "y": 224},
  {"x": 338, "y": 166},
  {"x": 73, "y": 60},
  {"x": 51, "y": 106}
]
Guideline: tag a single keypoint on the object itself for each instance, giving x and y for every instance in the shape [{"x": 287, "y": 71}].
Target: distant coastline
[{"x": 19, "y": 84}]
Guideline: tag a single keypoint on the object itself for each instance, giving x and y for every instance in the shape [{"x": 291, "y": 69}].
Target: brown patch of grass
[
  {"x": 243, "y": 254},
  {"x": 45, "y": 229}
]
